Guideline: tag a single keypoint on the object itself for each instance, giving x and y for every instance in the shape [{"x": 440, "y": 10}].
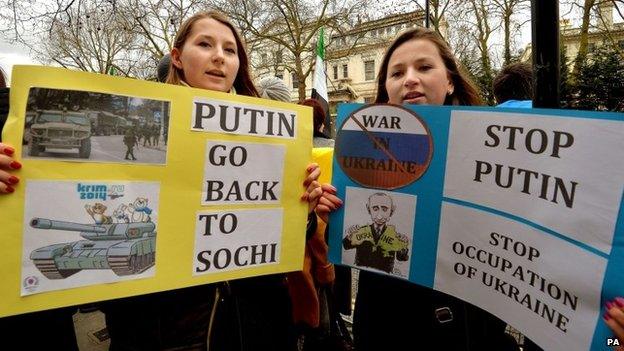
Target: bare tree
[
  {"x": 584, "y": 35},
  {"x": 481, "y": 10},
  {"x": 157, "y": 21},
  {"x": 506, "y": 9},
  {"x": 290, "y": 28},
  {"x": 438, "y": 9},
  {"x": 90, "y": 38}
]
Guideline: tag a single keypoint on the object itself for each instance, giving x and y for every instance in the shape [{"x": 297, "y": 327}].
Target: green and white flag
[{"x": 319, "y": 88}]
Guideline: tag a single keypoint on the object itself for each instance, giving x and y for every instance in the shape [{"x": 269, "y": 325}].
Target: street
[{"x": 109, "y": 149}]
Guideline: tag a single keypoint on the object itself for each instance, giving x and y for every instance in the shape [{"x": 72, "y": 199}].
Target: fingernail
[
  {"x": 9, "y": 150},
  {"x": 9, "y": 189},
  {"x": 13, "y": 180},
  {"x": 606, "y": 316},
  {"x": 15, "y": 165},
  {"x": 619, "y": 301}
]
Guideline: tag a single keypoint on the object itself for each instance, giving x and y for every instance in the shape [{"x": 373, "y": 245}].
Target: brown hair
[
  {"x": 514, "y": 82},
  {"x": 242, "y": 83},
  {"x": 465, "y": 91},
  {"x": 318, "y": 112}
]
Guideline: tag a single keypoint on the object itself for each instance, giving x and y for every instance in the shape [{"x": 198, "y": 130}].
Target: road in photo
[{"x": 111, "y": 148}]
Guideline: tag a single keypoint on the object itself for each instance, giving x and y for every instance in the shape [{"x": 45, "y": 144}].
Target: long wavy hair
[
  {"x": 465, "y": 92},
  {"x": 242, "y": 83}
]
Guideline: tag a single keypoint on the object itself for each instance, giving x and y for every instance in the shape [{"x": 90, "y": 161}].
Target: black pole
[
  {"x": 545, "y": 49},
  {"x": 426, "y": 13}
]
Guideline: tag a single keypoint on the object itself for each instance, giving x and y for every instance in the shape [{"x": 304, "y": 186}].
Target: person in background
[
  {"x": 513, "y": 86},
  {"x": 162, "y": 70},
  {"x": 245, "y": 314},
  {"x": 320, "y": 139},
  {"x": 273, "y": 88},
  {"x": 419, "y": 68}
]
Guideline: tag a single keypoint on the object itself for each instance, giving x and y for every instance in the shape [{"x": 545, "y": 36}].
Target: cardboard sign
[
  {"x": 518, "y": 212},
  {"x": 114, "y": 202}
]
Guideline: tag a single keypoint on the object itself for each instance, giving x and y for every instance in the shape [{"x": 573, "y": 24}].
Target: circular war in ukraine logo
[{"x": 384, "y": 146}]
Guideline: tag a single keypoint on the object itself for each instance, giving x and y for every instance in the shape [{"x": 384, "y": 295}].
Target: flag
[{"x": 319, "y": 88}]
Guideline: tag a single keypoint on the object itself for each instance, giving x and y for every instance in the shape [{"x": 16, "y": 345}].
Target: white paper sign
[
  {"x": 230, "y": 240},
  {"x": 528, "y": 166},
  {"x": 520, "y": 273},
  {"x": 220, "y": 116},
  {"x": 240, "y": 173},
  {"x": 88, "y": 233}
]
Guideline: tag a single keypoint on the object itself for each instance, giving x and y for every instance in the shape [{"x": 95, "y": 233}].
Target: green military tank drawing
[{"x": 125, "y": 248}]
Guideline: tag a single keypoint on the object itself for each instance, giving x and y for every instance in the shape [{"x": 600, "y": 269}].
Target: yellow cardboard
[{"x": 180, "y": 183}]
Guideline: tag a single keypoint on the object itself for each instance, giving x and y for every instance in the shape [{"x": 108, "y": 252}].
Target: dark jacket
[
  {"x": 393, "y": 314},
  {"x": 4, "y": 108}
]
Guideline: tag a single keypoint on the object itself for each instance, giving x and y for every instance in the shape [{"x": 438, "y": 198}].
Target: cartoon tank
[{"x": 126, "y": 248}]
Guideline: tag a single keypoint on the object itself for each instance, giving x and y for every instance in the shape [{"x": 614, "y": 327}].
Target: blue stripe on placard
[
  {"x": 405, "y": 147},
  {"x": 529, "y": 223},
  {"x": 613, "y": 283}
]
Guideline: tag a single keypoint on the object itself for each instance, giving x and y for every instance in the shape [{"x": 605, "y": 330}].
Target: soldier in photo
[{"x": 130, "y": 140}]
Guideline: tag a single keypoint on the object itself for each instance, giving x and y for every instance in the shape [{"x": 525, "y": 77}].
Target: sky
[{"x": 13, "y": 55}]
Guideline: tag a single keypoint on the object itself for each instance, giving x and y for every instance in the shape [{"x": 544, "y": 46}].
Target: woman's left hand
[
  {"x": 313, "y": 190},
  {"x": 614, "y": 317}
]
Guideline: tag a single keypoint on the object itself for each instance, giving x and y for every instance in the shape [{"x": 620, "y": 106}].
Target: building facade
[
  {"x": 351, "y": 59},
  {"x": 603, "y": 32}
]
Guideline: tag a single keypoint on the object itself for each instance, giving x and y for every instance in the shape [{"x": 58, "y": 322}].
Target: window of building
[
  {"x": 369, "y": 100},
  {"x": 369, "y": 70},
  {"x": 295, "y": 80},
  {"x": 278, "y": 56},
  {"x": 335, "y": 71},
  {"x": 345, "y": 71}
]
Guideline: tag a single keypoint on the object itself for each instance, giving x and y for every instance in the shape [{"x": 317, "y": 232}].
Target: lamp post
[{"x": 545, "y": 50}]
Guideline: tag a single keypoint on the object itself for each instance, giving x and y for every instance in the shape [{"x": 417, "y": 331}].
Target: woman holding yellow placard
[{"x": 246, "y": 314}]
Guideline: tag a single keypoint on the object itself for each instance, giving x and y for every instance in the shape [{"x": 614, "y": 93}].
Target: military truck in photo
[{"x": 56, "y": 129}]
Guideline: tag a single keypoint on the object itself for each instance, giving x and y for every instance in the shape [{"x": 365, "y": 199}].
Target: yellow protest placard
[{"x": 130, "y": 187}]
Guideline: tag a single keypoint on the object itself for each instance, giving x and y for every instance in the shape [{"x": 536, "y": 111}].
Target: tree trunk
[{"x": 582, "y": 53}]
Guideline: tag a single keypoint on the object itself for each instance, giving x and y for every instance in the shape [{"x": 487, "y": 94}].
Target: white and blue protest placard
[{"x": 517, "y": 211}]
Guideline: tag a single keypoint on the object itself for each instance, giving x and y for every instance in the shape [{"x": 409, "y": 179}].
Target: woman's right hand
[
  {"x": 328, "y": 202},
  {"x": 614, "y": 317},
  {"x": 8, "y": 164}
]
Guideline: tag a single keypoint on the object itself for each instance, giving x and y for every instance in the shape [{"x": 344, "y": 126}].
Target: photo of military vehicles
[{"x": 97, "y": 127}]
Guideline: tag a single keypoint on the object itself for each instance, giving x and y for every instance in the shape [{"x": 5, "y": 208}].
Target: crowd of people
[{"x": 294, "y": 311}]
